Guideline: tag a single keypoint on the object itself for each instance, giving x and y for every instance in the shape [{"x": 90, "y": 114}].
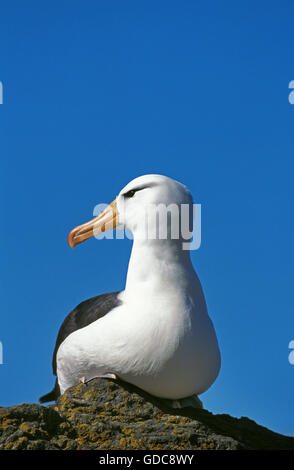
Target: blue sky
[{"x": 97, "y": 93}]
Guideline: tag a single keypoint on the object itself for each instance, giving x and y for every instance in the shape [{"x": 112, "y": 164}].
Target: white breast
[{"x": 170, "y": 351}]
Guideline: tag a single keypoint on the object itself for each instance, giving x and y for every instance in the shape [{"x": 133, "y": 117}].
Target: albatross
[{"x": 155, "y": 334}]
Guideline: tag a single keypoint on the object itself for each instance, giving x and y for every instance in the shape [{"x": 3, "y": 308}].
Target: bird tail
[{"x": 51, "y": 396}]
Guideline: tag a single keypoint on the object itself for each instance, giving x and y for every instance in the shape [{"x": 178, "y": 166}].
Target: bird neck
[{"x": 157, "y": 265}]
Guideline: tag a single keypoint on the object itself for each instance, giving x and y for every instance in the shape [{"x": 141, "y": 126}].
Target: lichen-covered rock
[{"x": 108, "y": 415}]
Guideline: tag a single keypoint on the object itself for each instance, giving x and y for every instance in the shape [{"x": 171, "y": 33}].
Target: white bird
[{"x": 155, "y": 334}]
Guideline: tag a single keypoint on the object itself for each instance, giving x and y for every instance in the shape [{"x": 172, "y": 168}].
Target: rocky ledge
[{"x": 108, "y": 415}]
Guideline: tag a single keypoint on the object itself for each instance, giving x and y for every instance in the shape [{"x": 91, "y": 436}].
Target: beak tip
[{"x": 70, "y": 239}]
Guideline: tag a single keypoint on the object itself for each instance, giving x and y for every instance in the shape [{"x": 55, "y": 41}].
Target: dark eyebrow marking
[{"x": 138, "y": 188}]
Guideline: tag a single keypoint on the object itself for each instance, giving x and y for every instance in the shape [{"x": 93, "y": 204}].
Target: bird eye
[{"x": 130, "y": 193}]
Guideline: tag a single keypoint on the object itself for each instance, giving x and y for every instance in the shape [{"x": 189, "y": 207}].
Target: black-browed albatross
[{"x": 155, "y": 334}]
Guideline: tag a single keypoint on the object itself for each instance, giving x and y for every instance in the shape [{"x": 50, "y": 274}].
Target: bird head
[{"x": 149, "y": 206}]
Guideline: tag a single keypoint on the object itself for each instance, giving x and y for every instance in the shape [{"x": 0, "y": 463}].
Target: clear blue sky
[{"x": 97, "y": 93}]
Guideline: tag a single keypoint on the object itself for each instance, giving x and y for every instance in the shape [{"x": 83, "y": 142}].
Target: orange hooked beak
[{"x": 107, "y": 220}]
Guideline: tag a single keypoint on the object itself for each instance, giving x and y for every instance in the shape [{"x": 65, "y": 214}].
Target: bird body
[{"x": 157, "y": 333}]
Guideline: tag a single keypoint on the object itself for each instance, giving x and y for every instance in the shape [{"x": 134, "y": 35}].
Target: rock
[{"x": 114, "y": 415}]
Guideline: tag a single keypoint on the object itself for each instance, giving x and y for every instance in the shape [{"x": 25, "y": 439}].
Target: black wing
[{"x": 85, "y": 313}]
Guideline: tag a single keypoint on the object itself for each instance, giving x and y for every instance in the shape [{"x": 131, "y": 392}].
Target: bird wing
[{"x": 85, "y": 313}]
